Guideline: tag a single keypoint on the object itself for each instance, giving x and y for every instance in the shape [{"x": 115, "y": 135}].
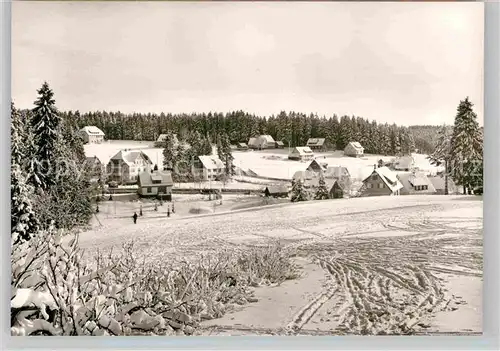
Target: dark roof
[
  {"x": 315, "y": 141},
  {"x": 93, "y": 159},
  {"x": 146, "y": 178}
]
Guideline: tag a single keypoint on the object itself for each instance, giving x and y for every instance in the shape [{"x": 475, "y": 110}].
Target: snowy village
[{"x": 242, "y": 223}]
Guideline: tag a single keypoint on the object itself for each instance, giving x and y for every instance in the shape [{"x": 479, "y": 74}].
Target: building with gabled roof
[
  {"x": 301, "y": 153},
  {"x": 208, "y": 167},
  {"x": 241, "y": 146},
  {"x": 354, "y": 149},
  {"x": 125, "y": 166},
  {"x": 438, "y": 182},
  {"x": 382, "y": 181},
  {"x": 91, "y": 135},
  {"x": 404, "y": 163},
  {"x": 334, "y": 187},
  {"x": 316, "y": 144},
  {"x": 415, "y": 183},
  {"x": 252, "y": 143},
  {"x": 155, "y": 183},
  {"x": 276, "y": 191}
]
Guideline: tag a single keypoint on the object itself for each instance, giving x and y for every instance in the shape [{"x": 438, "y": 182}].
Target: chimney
[{"x": 375, "y": 166}]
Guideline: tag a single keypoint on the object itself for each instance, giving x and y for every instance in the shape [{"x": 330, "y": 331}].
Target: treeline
[{"x": 293, "y": 128}]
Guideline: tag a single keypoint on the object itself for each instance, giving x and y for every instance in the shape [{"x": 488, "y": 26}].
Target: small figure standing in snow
[
  {"x": 168, "y": 211},
  {"x": 173, "y": 208},
  {"x": 140, "y": 211},
  {"x": 97, "y": 209},
  {"x": 110, "y": 197},
  {"x": 156, "y": 206},
  {"x": 135, "y": 217}
]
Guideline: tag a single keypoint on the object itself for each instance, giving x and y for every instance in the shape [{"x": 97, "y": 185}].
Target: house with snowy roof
[
  {"x": 404, "y": 163},
  {"x": 382, "y": 181},
  {"x": 265, "y": 142},
  {"x": 301, "y": 153},
  {"x": 208, "y": 167},
  {"x": 155, "y": 183},
  {"x": 415, "y": 183},
  {"x": 334, "y": 187},
  {"x": 124, "y": 167},
  {"x": 317, "y": 144},
  {"x": 439, "y": 183},
  {"x": 354, "y": 149},
  {"x": 91, "y": 135}
]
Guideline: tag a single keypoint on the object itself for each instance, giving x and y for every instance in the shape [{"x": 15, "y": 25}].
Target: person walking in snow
[{"x": 135, "y": 217}]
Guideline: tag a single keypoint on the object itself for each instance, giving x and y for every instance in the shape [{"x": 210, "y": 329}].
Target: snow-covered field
[{"x": 371, "y": 265}]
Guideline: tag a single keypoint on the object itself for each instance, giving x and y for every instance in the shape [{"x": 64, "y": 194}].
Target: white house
[
  {"x": 208, "y": 167},
  {"x": 92, "y": 135},
  {"x": 301, "y": 153},
  {"x": 125, "y": 166},
  {"x": 262, "y": 142},
  {"x": 354, "y": 149}
]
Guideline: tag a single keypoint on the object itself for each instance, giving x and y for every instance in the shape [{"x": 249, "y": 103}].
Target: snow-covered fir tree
[
  {"x": 45, "y": 123},
  {"x": 442, "y": 152},
  {"x": 299, "y": 193},
  {"x": 466, "y": 147},
  {"x": 322, "y": 190},
  {"x": 24, "y": 223},
  {"x": 169, "y": 152},
  {"x": 225, "y": 154}
]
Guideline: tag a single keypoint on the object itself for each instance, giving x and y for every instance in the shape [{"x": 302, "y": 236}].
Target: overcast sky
[{"x": 408, "y": 63}]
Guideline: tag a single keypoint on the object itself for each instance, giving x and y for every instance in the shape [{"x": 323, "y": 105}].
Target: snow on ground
[{"x": 389, "y": 264}]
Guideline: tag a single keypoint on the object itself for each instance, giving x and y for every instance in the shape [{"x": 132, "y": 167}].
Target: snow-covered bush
[{"x": 58, "y": 291}]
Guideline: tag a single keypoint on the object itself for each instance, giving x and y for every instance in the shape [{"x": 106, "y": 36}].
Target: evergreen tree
[
  {"x": 322, "y": 190},
  {"x": 24, "y": 223},
  {"x": 225, "y": 154},
  {"x": 169, "y": 152},
  {"x": 466, "y": 147},
  {"x": 17, "y": 137},
  {"x": 442, "y": 152},
  {"x": 206, "y": 147},
  {"x": 299, "y": 193},
  {"x": 45, "y": 126}
]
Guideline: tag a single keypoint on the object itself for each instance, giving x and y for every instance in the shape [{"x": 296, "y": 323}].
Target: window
[
  {"x": 148, "y": 189},
  {"x": 374, "y": 177},
  {"x": 381, "y": 185},
  {"x": 369, "y": 185}
]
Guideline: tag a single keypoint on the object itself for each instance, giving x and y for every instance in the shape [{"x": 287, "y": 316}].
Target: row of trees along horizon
[{"x": 45, "y": 136}]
